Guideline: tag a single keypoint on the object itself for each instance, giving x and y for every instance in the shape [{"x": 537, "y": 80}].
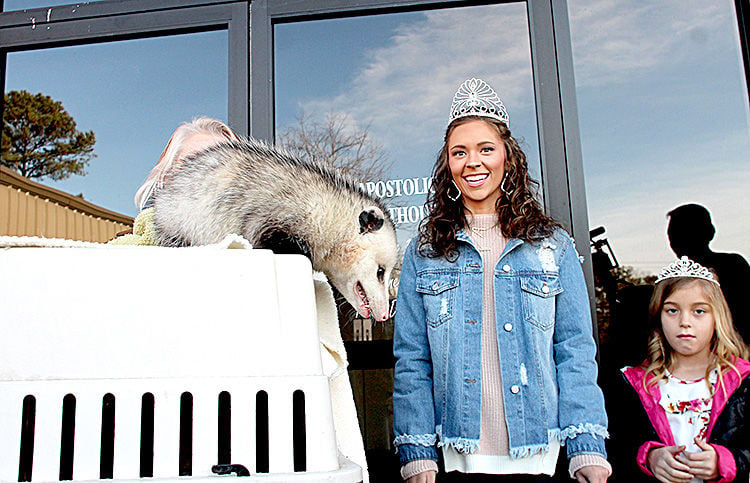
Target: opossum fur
[{"x": 279, "y": 201}]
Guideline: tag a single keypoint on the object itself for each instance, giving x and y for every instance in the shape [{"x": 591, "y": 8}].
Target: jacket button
[
  {"x": 435, "y": 285},
  {"x": 514, "y": 389},
  {"x": 545, "y": 288},
  {"x": 506, "y": 268},
  {"x": 508, "y": 327}
]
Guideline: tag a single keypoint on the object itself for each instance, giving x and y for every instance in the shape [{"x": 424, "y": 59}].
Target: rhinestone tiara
[
  {"x": 476, "y": 98},
  {"x": 684, "y": 267}
]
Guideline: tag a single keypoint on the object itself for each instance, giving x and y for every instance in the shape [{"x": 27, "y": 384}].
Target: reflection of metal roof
[{"x": 28, "y": 208}]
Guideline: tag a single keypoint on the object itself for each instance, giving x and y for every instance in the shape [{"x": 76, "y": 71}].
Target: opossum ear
[{"x": 370, "y": 220}]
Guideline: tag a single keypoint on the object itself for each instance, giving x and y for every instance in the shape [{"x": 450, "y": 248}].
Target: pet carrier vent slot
[
  {"x": 67, "y": 437},
  {"x": 147, "y": 435},
  {"x": 299, "y": 434},
  {"x": 186, "y": 434},
  {"x": 225, "y": 428},
  {"x": 261, "y": 432},
  {"x": 107, "y": 454},
  {"x": 26, "y": 458}
]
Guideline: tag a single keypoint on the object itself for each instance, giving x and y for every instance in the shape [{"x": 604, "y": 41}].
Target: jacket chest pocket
[
  {"x": 538, "y": 296},
  {"x": 438, "y": 291}
]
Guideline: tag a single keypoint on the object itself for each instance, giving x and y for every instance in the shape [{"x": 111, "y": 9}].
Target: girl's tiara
[
  {"x": 476, "y": 98},
  {"x": 684, "y": 267}
]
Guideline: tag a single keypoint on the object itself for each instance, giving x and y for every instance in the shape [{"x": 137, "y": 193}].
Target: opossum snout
[
  {"x": 381, "y": 318},
  {"x": 379, "y": 308},
  {"x": 373, "y": 303}
]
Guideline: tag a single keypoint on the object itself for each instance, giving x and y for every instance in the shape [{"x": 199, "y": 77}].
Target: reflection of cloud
[
  {"x": 615, "y": 40},
  {"x": 406, "y": 87}
]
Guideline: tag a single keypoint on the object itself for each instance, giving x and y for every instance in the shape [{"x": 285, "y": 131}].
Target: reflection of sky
[
  {"x": 397, "y": 78},
  {"x": 324, "y": 56},
  {"x": 132, "y": 94},
  {"x": 663, "y": 112}
]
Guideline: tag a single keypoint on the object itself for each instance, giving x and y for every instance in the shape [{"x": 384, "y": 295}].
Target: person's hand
[
  {"x": 703, "y": 464},
  {"x": 666, "y": 468},
  {"x": 592, "y": 474},
  {"x": 423, "y": 477}
]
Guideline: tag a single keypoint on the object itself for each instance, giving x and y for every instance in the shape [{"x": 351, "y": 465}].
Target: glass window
[
  {"x": 132, "y": 94},
  {"x": 663, "y": 108},
  {"x": 392, "y": 76}
]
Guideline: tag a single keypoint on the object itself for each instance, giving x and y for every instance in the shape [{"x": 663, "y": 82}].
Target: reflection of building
[{"x": 28, "y": 208}]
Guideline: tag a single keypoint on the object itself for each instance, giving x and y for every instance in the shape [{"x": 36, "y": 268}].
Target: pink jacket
[{"x": 658, "y": 418}]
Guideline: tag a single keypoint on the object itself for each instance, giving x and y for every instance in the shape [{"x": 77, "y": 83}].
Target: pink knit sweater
[{"x": 488, "y": 238}]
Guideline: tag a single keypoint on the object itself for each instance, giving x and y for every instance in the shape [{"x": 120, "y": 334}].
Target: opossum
[{"x": 277, "y": 200}]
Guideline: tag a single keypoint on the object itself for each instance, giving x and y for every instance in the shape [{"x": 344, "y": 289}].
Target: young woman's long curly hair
[
  {"x": 726, "y": 343},
  {"x": 520, "y": 215}
]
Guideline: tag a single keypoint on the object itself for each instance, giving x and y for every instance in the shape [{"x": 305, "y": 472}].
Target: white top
[
  {"x": 688, "y": 408},
  {"x": 539, "y": 464}
]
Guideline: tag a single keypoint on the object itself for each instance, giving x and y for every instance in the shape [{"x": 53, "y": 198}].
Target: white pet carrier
[{"x": 133, "y": 362}]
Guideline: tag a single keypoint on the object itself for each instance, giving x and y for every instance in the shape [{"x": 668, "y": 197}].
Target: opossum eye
[{"x": 381, "y": 274}]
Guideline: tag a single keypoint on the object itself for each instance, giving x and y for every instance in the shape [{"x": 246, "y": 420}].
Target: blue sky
[
  {"x": 132, "y": 94},
  {"x": 662, "y": 101},
  {"x": 303, "y": 67}
]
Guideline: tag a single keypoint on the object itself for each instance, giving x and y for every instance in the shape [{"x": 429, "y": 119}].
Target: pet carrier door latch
[{"x": 226, "y": 469}]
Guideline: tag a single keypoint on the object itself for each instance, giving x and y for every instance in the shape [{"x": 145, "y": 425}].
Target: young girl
[{"x": 692, "y": 389}]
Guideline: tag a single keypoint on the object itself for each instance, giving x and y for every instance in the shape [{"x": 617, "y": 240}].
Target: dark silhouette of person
[{"x": 690, "y": 231}]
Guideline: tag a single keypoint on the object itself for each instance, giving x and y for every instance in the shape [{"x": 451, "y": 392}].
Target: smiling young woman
[
  {"x": 491, "y": 296},
  {"x": 476, "y": 156}
]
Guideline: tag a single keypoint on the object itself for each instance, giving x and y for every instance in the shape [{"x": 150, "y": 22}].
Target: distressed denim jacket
[{"x": 544, "y": 335}]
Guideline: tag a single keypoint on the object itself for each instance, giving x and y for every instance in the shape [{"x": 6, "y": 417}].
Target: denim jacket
[{"x": 544, "y": 335}]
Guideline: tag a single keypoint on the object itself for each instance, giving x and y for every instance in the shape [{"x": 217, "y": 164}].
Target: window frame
[
  {"x": 106, "y": 21},
  {"x": 742, "y": 10}
]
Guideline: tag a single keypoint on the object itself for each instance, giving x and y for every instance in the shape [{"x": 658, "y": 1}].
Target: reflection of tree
[
  {"x": 335, "y": 141},
  {"x": 623, "y": 277},
  {"x": 40, "y": 139}
]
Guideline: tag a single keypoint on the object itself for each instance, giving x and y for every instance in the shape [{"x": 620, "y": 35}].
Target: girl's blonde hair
[
  {"x": 171, "y": 153},
  {"x": 726, "y": 343}
]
